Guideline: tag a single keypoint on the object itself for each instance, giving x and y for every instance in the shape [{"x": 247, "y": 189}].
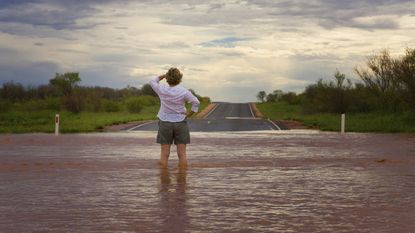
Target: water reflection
[
  {"x": 173, "y": 204},
  {"x": 236, "y": 183}
]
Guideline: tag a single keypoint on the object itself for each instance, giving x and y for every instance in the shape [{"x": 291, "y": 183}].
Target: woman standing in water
[{"x": 172, "y": 115}]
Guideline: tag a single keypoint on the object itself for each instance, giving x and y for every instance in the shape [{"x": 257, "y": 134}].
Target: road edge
[
  {"x": 257, "y": 113},
  {"x": 124, "y": 126},
  {"x": 205, "y": 111}
]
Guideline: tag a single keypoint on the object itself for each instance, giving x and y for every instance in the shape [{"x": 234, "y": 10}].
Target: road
[{"x": 224, "y": 117}]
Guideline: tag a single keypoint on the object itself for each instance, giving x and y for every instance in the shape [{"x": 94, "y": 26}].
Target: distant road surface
[{"x": 224, "y": 117}]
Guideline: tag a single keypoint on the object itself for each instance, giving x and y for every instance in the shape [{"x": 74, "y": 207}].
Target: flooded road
[
  {"x": 275, "y": 181},
  {"x": 222, "y": 117}
]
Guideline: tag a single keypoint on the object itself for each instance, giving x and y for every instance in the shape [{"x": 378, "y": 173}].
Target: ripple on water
[{"x": 261, "y": 182}]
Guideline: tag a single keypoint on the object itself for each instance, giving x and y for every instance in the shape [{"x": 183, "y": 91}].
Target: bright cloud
[{"x": 228, "y": 50}]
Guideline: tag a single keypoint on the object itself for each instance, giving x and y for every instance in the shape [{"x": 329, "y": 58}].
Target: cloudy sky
[{"x": 228, "y": 50}]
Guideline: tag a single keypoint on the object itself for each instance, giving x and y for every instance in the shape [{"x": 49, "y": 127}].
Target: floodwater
[{"x": 291, "y": 181}]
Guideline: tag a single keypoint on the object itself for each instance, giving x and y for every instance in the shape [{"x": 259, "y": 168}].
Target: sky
[{"x": 227, "y": 50}]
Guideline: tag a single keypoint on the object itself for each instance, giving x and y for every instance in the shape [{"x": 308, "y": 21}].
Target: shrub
[
  {"x": 148, "y": 90},
  {"x": 4, "y": 106},
  {"x": 134, "y": 104},
  {"x": 110, "y": 106},
  {"x": 148, "y": 100},
  {"x": 93, "y": 104},
  {"x": 32, "y": 105},
  {"x": 72, "y": 103},
  {"x": 53, "y": 103},
  {"x": 38, "y": 104},
  {"x": 12, "y": 91},
  {"x": 291, "y": 98},
  {"x": 206, "y": 99}
]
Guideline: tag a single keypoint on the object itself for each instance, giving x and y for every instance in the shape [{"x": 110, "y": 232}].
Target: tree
[
  {"x": 379, "y": 72},
  {"x": 404, "y": 75},
  {"x": 329, "y": 96},
  {"x": 12, "y": 91},
  {"x": 340, "y": 104},
  {"x": 274, "y": 96},
  {"x": 148, "y": 90},
  {"x": 339, "y": 77},
  {"x": 380, "y": 77},
  {"x": 291, "y": 98},
  {"x": 66, "y": 82},
  {"x": 261, "y": 96}
]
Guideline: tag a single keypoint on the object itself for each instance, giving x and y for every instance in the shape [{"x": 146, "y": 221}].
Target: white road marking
[
  {"x": 243, "y": 118},
  {"x": 138, "y": 126},
  {"x": 276, "y": 126},
  {"x": 250, "y": 108},
  {"x": 216, "y": 105}
]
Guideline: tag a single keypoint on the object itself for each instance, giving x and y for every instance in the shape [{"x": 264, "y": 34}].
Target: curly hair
[{"x": 173, "y": 76}]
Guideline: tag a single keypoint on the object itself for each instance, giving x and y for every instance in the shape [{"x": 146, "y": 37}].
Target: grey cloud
[
  {"x": 29, "y": 30},
  {"x": 28, "y": 73},
  {"x": 176, "y": 45},
  {"x": 351, "y": 21},
  {"x": 339, "y": 13},
  {"x": 326, "y": 13},
  {"x": 114, "y": 58},
  {"x": 109, "y": 76},
  {"x": 121, "y": 28},
  {"x": 215, "y": 6},
  {"x": 62, "y": 15},
  {"x": 227, "y": 42},
  {"x": 231, "y": 53},
  {"x": 291, "y": 14},
  {"x": 197, "y": 69},
  {"x": 314, "y": 67},
  {"x": 71, "y": 51}
]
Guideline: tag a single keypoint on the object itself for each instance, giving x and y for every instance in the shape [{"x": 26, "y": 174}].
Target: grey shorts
[{"x": 177, "y": 132}]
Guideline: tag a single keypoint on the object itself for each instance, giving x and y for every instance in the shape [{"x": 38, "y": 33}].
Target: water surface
[{"x": 293, "y": 181}]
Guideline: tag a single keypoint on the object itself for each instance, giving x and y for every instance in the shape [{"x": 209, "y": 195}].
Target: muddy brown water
[{"x": 292, "y": 181}]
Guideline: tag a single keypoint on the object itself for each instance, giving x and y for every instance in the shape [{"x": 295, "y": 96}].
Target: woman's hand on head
[{"x": 161, "y": 77}]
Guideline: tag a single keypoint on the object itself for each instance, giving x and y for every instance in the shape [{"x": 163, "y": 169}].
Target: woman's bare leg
[
  {"x": 181, "y": 153},
  {"x": 164, "y": 155}
]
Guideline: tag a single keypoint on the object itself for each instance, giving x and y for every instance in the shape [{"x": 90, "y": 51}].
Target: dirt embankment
[
  {"x": 286, "y": 124},
  {"x": 205, "y": 111},
  {"x": 256, "y": 111}
]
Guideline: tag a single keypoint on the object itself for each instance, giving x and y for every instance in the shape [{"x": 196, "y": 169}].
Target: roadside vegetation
[
  {"x": 382, "y": 101},
  {"x": 81, "y": 109}
]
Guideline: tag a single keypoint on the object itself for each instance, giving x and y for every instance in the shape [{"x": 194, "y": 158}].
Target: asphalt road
[{"x": 224, "y": 117}]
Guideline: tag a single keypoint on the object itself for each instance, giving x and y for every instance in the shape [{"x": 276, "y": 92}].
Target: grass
[
  {"x": 355, "y": 122},
  {"x": 18, "y": 121}
]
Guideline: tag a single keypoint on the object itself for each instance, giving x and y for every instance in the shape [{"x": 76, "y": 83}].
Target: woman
[{"x": 172, "y": 115}]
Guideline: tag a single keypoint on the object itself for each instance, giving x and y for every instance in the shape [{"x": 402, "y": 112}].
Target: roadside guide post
[
  {"x": 57, "y": 124},
  {"x": 343, "y": 122}
]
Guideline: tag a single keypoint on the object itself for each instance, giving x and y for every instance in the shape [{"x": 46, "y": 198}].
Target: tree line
[
  {"x": 64, "y": 92},
  {"x": 387, "y": 84}
]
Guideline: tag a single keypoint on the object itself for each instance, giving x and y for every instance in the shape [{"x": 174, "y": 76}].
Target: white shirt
[{"x": 172, "y": 101}]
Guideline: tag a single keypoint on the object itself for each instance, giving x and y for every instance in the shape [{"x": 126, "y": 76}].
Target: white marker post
[
  {"x": 343, "y": 122},
  {"x": 57, "y": 124}
]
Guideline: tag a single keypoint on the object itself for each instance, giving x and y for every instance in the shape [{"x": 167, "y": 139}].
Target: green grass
[
  {"x": 43, "y": 121},
  {"x": 18, "y": 121},
  {"x": 355, "y": 122}
]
